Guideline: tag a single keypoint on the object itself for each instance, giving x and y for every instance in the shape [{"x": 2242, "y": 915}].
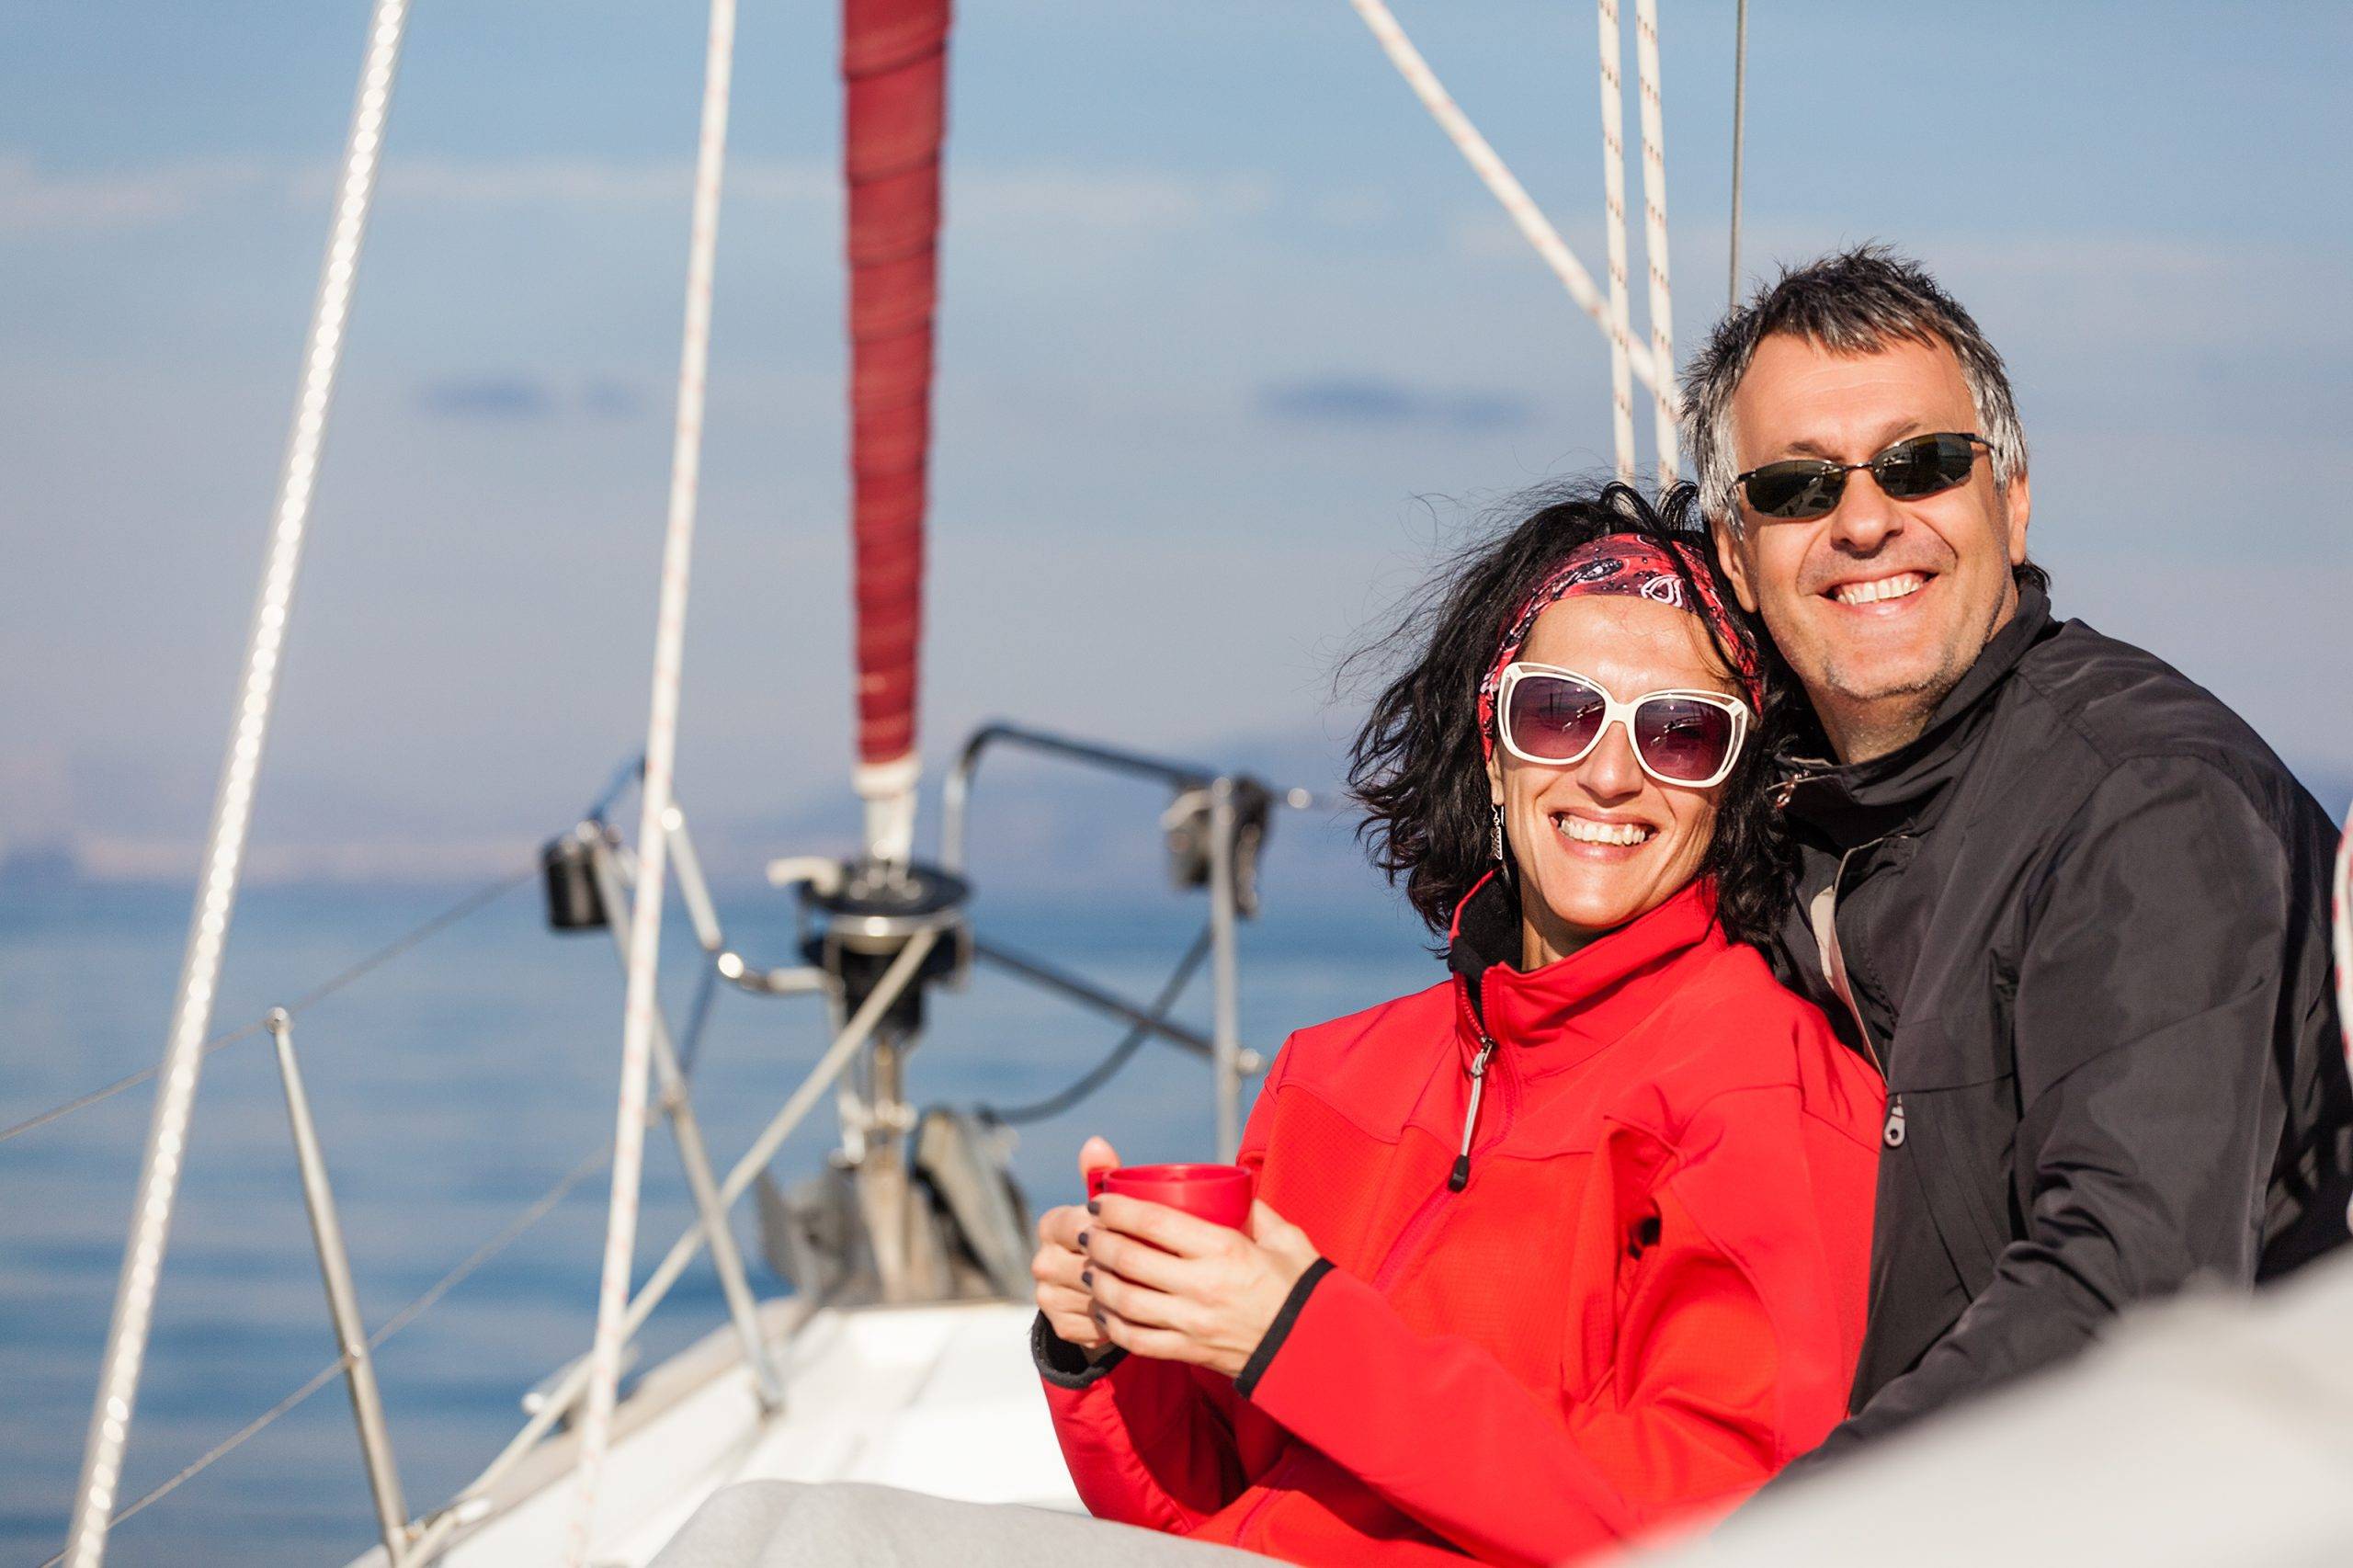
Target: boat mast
[{"x": 894, "y": 68}]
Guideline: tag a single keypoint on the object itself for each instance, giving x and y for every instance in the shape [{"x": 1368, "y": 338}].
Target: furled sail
[{"x": 895, "y": 66}]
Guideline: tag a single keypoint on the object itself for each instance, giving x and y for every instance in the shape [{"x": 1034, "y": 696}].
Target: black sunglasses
[{"x": 1913, "y": 468}]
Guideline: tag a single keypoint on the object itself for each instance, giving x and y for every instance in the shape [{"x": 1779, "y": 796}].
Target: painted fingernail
[
  {"x": 1093, "y": 1207},
  {"x": 1087, "y": 1276},
  {"x": 1082, "y": 1239}
]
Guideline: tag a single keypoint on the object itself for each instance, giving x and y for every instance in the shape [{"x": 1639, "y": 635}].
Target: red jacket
[{"x": 1644, "y": 1299}]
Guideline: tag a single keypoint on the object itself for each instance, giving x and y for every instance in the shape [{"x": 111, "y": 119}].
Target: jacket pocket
[{"x": 1959, "y": 1088}]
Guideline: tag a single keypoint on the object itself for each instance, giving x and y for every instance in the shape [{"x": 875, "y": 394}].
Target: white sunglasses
[{"x": 1554, "y": 717}]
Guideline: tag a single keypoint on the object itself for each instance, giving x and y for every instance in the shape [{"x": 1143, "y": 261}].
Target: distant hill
[{"x": 1039, "y": 830}]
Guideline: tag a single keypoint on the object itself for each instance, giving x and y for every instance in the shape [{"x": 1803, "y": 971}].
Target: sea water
[{"x": 451, "y": 1088}]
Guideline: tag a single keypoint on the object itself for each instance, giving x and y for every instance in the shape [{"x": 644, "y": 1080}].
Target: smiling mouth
[
  {"x": 1880, "y": 590},
  {"x": 1617, "y": 835}
]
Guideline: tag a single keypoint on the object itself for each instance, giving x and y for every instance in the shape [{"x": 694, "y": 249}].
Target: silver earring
[{"x": 1498, "y": 812}]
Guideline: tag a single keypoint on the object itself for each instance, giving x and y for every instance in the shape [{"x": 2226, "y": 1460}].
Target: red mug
[{"x": 1220, "y": 1194}]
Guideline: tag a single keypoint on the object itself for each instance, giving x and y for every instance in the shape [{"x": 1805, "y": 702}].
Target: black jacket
[{"x": 2083, "y": 921}]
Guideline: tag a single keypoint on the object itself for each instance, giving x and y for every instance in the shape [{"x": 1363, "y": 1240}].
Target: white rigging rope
[
  {"x": 1614, "y": 202},
  {"x": 1532, "y": 224},
  {"x": 1661, "y": 300},
  {"x": 661, "y": 757},
  {"x": 1739, "y": 119},
  {"x": 233, "y": 806},
  {"x": 538, "y": 1209},
  {"x": 746, "y": 1169}
]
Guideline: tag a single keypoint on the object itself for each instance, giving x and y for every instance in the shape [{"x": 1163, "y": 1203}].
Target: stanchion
[{"x": 343, "y": 1302}]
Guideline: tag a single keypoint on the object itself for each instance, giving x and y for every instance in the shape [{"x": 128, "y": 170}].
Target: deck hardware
[
  {"x": 343, "y": 1302},
  {"x": 686, "y": 1130},
  {"x": 1220, "y": 819},
  {"x": 436, "y": 1536},
  {"x": 1227, "y": 886}
]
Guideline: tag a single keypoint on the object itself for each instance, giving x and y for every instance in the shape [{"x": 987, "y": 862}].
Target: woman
[{"x": 1570, "y": 1245}]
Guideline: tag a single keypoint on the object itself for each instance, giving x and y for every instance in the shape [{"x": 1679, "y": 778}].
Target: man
[{"x": 2072, "y": 905}]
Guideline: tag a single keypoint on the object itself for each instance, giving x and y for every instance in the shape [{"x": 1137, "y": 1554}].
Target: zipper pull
[
  {"x": 1461, "y": 1176},
  {"x": 1780, "y": 794},
  {"x": 1894, "y": 1133}
]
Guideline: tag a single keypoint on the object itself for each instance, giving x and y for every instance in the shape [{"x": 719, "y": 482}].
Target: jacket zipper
[
  {"x": 1460, "y": 1178},
  {"x": 1434, "y": 1206},
  {"x": 1833, "y": 965},
  {"x": 1401, "y": 1250},
  {"x": 1267, "y": 1498}
]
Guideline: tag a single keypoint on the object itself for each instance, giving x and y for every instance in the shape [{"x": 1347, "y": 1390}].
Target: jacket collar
[
  {"x": 1557, "y": 1016},
  {"x": 1906, "y": 790}
]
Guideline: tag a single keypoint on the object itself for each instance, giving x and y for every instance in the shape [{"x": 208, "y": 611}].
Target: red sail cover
[{"x": 894, "y": 64}]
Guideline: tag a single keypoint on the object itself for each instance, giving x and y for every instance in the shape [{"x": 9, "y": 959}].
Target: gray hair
[{"x": 1853, "y": 302}]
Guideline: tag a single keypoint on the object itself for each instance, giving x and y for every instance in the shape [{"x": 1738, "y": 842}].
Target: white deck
[{"x": 938, "y": 1399}]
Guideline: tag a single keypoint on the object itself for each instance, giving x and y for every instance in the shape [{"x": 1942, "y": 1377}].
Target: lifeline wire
[
  {"x": 1102, "y": 1072},
  {"x": 539, "y": 1210},
  {"x": 654, "y": 791},
  {"x": 473, "y": 901},
  {"x": 225, "y": 845},
  {"x": 569, "y": 1387}
]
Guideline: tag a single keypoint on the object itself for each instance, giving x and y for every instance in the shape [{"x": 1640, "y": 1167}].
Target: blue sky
[{"x": 1230, "y": 342}]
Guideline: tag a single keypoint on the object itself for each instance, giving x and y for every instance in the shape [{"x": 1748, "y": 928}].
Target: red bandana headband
[{"x": 1637, "y": 567}]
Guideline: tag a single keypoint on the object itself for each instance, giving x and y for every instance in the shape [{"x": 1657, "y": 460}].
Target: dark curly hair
[{"x": 1417, "y": 766}]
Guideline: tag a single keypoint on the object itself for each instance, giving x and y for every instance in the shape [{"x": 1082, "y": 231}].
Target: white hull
[{"x": 939, "y": 1399}]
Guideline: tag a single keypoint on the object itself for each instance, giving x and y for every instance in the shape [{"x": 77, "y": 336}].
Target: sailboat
[{"x": 898, "y": 1357}]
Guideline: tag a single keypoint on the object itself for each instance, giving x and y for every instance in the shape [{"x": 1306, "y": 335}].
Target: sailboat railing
[
  {"x": 1086, "y": 994},
  {"x": 343, "y": 1299},
  {"x": 616, "y": 870},
  {"x": 561, "y": 1399},
  {"x": 676, "y": 1105},
  {"x": 955, "y": 803},
  {"x": 1229, "y": 1061}
]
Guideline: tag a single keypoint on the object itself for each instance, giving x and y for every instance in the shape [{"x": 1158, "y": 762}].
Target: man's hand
[
  {"x": 1177, "y": 1289},
  {"x": 1058, "y": 1266}
]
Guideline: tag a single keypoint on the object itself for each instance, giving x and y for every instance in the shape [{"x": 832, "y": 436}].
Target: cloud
[
  {"x": 517, "y": 398},
  {"x": 612, "y": 400},
  {"x": 520, "y": 399},
  {"x": 35, "y": 201},
  {"x": 1358, "y": 208},
  {"x": 579, "y": 181},
  {"x": 1117, "y": 198},
  {"x": 1377, "y": 403},
  {"x": 1144, "y": 200}
]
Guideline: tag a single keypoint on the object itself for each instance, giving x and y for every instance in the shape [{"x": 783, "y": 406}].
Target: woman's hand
[
  {"x": 1177, "y": 1289},
  {"x": 1059, "y": 1263}
]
